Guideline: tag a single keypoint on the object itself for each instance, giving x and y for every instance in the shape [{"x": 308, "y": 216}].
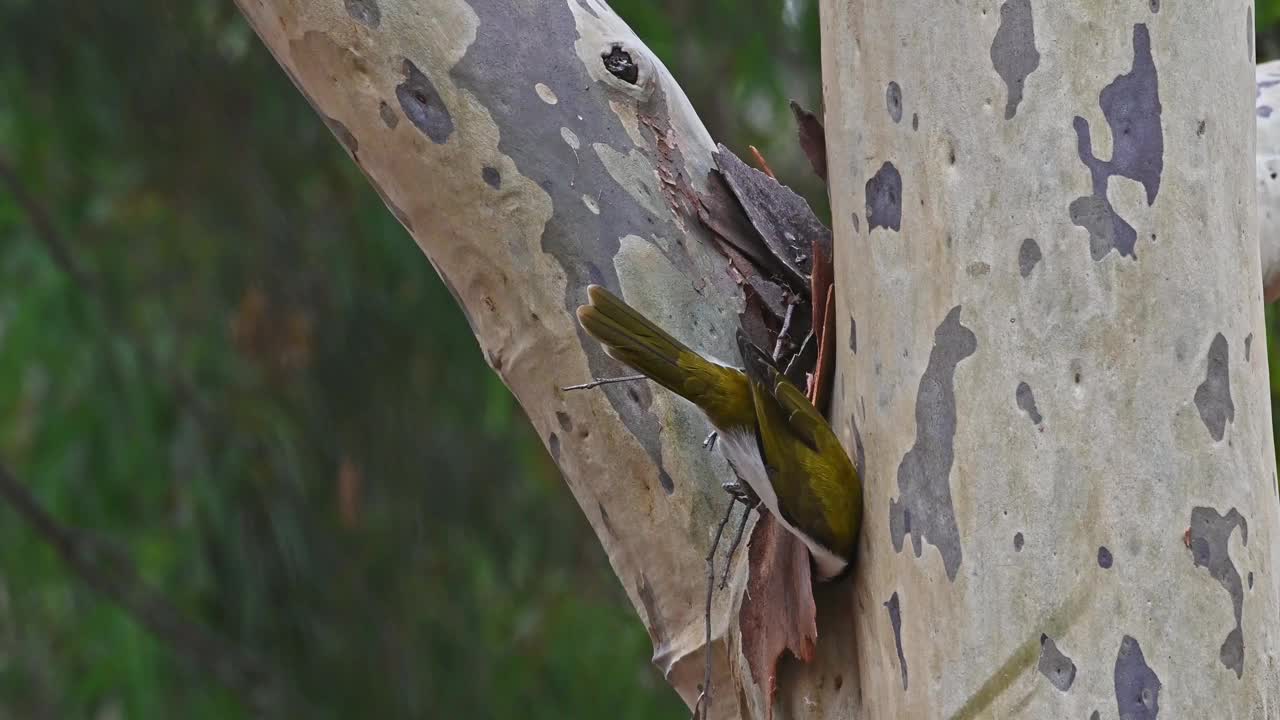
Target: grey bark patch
[
  {"x": 1018, "y": 541},
  {"x": 915, "y": 121},
  {"x": 859, "y": 455},
  {"x": 856, "y": 226},
  {"x": 365, "y": 12},
  {"x": 1248, "y": 343},
  {"x": 664, "y": 479},
  {"x": 1055, "y": 665},
  {"x": 1249, "y": 30},
  {"x": 388, "y": 115},
  {"x": 500, "y": 68},
  {"x": 1013, "y": 51},
  {"x": 566, "y": 422},
  {"x": 895, "y": 619},
  {"x": 491, "y": 176},
  {"x": 1250, "y": 579},
  {"x": 853, "y": 335},
  {"x": 1028, "y": 256},
  {"x": 924, "y": 475},
  {"x": 893, "y": 100},
  {"x": 977, "y": 269},
  {"x": 587, "y": 6},
  {"x": 1264, "y": 111},
  {"x": 344, "y": 135},
  {"x": 423, "y": 105},
  {"x": 1137, "y": 685},
  {"x": 884, "y": 199},
  {"x": 1155, "y": 5},
  {"x": 1213, "y": 396},
  {"x": 1104, "y": 557},
  {"x": 1210, "y": 533},
  {"x": 1095, "y": 716},
  {"x": 1027, "y": 402},
  {"x": 1131, "y": 106},
  {"x": 553, "y": 444}
]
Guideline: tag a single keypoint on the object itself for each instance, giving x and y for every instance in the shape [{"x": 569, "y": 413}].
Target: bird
[{"x": 774, "y": 439}]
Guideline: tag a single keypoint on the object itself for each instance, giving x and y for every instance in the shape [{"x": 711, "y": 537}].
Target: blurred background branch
[{"x": 109, "y": 571}]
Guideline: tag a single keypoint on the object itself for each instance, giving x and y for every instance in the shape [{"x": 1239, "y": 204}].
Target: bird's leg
[
  {"x": 737, "y": 539},
  {"x": 704, "y": 696},
  {"x": 741, "y": 493},
  {"x": 597, "y": 382}
]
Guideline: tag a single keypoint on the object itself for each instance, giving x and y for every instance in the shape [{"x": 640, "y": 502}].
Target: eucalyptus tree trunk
[
  {"x": 1047, "y": 268},
  {"x": 532, "y": 149},
  {"x": 1049, "y": 374}
]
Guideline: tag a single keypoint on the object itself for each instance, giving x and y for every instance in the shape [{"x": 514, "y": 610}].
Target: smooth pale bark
[
  {"x": 1267, "y": 110},
  {"x": 525, "y": 170},
  {"x": 1072, "y": 431}
]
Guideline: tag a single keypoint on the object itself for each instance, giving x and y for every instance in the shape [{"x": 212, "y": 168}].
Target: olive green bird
[{"x": 773, "y": 437}]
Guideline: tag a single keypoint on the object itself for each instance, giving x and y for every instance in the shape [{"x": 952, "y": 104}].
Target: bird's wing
[{"x": 801, "y": 417}]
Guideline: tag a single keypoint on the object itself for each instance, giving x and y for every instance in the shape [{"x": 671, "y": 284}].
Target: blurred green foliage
[{"x": 245, "y": 377}]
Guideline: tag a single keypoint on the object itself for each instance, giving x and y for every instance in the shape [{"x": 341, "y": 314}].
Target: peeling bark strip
[
  {"x": 1055, "y": 665},
  {"x": 813, "y": 139},
  {"x": 1210, "y": 533},
  {"x": 1131, "y": 105},
  {"x": 895, "y": 619},
  {"x": 778, "y": 613},
  {"x": 884, "y": 199},
  {"x": 784, "y": 219},
  {"x": 423, "y": 105},
  {"x": 1213, "y": 396},
  {"x": 923, "y": 508},
  {"x": 1013, "y": 51},
  {"x": 1137, "y": 686}
]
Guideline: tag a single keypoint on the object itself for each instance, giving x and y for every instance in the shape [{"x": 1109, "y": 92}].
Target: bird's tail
[{"x": 634, "y": 339}]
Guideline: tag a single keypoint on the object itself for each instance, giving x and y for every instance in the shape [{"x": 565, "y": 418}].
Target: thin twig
[
  {"x": 704, "y": 697},
  {"x": 603, "y": 381},
  {"x": 784, "y": 335},
  {"x": 108, "y": 572},
  {"x": 737, "y": 539}
]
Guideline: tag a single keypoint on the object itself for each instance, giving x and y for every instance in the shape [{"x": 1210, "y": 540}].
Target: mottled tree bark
[
  {"x": 1047, "y": 266},
  {"x": 531, "y": 149}
]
